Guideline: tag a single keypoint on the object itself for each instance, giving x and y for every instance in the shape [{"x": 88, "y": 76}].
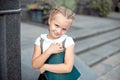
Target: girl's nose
[{"x": 59, "y": 31}]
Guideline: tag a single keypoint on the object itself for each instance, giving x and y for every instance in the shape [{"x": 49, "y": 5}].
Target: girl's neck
[{"x": 50, "y": 37}]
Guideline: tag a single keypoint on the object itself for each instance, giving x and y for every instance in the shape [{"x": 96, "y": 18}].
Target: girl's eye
[
  {"x": 64, "y": 29},
  {"x": 56, "y": 25}
]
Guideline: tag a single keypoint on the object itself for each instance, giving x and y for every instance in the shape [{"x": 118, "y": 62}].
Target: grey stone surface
[
  {"x": 86, "y": 72},
  {"x": 6, "y": 4},
  {"x": 94, "y": 22},
  {"x": 114, "y": 15},
  {"x": 99, "y": 53},
  {"x": 112, "y": 75},
  {"x": 29, "y": 33},
  {"x": 88, "y": 43},
  {"x": 10, "y": 53},
  {"x": 105, "y": 66},
  {"x": 88, "y": 32},
  {"x": 2, "y": 49}
]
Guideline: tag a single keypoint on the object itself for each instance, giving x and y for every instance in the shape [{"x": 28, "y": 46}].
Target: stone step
[
  {"x": 78, "y": 33},
  {"x": 92, "y": 42},
  {"x": 90, "y": 22},
  {"x": 114, "y": 74},
  {"x": 87, "y": 73},
  {"x": 100, "y": 53},
  {"x": 107, "y": 65}
]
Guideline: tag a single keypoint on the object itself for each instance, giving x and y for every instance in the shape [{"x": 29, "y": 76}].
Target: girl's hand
[
  {"x": 56, "y": 48},
  {"x": 42, "y": 70}
]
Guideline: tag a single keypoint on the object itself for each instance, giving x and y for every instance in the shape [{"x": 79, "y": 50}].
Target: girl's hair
[{"x": 69, "y": 14}]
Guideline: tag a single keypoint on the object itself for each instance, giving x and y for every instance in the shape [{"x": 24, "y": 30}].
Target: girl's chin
[{"x": 56, "y": 36}]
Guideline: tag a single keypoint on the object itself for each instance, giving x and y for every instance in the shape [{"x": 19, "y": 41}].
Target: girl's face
[{"x": 58, "y": 26}]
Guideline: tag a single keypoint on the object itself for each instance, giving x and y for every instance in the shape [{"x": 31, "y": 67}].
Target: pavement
[{"x": 30, "y": 31}]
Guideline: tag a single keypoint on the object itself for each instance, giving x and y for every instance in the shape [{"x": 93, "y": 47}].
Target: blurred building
[
  {"x": 80, "y": 6},
  {"x": 25, "y": 2}
]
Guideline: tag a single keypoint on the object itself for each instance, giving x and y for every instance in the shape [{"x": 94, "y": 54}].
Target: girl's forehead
[
  {"x": 62, "y": 21},
  {"x": 61, "y": 17}
]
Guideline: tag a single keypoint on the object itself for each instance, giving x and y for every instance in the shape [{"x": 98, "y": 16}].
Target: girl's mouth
[{"x": 57, "y": 35}]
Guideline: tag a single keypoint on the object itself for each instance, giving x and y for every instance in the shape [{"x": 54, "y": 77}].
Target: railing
[{"x": 3, "y": 12}]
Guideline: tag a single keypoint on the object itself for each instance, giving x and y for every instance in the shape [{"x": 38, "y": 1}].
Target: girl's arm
[
  {"x": 38, "y": 58},
  {"x": 66, "y": 67}
]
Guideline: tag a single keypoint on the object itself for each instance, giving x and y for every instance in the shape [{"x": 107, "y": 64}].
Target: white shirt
[{"x": 46, "y": 43}]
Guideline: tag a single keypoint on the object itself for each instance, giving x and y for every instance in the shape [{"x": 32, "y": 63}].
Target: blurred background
[
  {"x": 95, "y": 30},
  {"x": 101, "y": 8}
]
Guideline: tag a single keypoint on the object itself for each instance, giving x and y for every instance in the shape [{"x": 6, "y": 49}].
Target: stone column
[{"x": 10, "y": 52}]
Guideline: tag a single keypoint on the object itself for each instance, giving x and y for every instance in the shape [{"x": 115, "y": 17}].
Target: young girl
[{"x": 54, "y": 52}]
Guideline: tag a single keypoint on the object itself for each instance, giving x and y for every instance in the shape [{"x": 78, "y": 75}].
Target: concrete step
[
  {"x": 87, "y": 73},
  {"x": 114, "y": 74},
  {"x": 90, "y": 22},
  {"x": 95, "y": 41},
  {"x": 107, "y": 65},
  {"x": 100, "y": 53},
  {"x": 78, "y": 33}
]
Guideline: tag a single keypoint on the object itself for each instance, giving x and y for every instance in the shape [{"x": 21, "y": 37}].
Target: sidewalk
[
  {"x": 30, "y": 31},
  {"x": 114, "y": 15}
]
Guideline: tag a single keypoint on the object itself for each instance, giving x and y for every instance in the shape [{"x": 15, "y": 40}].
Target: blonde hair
[{"x": 69, "y": 14}]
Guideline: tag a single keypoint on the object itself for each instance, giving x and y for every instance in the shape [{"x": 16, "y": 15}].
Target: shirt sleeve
[
  {"x": 69, "y": 41},
  {"x": 37, "y": 41}
]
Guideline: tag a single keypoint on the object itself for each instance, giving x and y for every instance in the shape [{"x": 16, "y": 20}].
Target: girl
[{"x": 54, "y": 52}]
